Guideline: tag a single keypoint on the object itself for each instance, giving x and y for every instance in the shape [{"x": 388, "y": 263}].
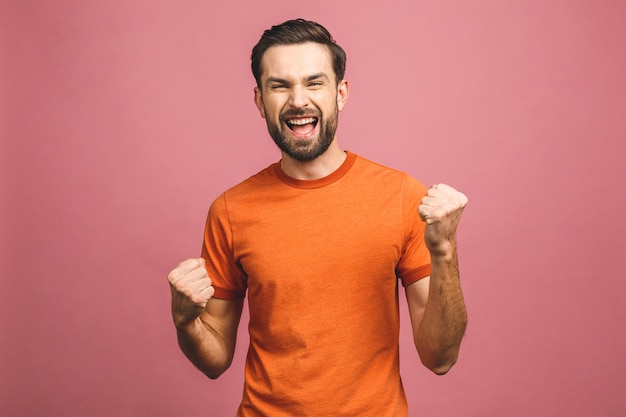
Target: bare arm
[
  {"x": 206, "y": 326},
  {"x": 436, "y": 305}
]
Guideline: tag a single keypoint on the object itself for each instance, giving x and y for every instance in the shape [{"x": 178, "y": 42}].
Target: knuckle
[
  {"x": 183, "y": 264},
  {"x": 173, "y": 276}
]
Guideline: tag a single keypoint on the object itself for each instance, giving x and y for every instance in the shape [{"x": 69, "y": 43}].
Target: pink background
[{"x": 122, "y": 120}]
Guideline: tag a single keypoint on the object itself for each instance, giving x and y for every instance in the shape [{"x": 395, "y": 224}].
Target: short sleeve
[
  {"x": 415, "y": 258},
  {"x": 217, "y": 250}
]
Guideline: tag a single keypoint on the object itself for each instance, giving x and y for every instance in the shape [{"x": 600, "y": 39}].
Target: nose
[{"x": 298, "y": 98}]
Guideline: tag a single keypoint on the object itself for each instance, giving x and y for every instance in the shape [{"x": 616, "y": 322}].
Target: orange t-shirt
[{"x": 320, "y": 261}]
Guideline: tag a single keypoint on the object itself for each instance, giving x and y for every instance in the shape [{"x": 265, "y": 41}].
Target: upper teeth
[{"x": 301, "y": 122}]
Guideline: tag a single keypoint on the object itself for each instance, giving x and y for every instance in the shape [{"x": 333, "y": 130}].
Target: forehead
[{"x": 297, "y": 61}]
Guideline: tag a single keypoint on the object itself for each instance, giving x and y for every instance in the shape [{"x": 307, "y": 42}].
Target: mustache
[{"x": 300, "y": 113}]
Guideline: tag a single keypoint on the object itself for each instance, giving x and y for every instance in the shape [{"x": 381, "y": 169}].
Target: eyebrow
[{"x": 307, "y": 79}]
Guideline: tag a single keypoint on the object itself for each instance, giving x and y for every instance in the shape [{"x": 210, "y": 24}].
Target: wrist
[
  {"x": 443, "y": 251},
  {"x": 187, "y": 326}
]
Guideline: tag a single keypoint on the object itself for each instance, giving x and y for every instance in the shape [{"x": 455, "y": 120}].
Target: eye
[
  {"x": 316, "y": 84},
  {"x": 278, "y": 86}
]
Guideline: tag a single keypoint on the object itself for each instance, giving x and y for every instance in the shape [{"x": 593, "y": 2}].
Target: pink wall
[{"x": 122, "y": 120}]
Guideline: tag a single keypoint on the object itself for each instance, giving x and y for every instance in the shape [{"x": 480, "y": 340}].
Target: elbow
[
  {"x": 439, "y": 358},
  {"x": 441, "y": 368},
  {"x": 213, "y": 375},
  {"x": 440, "y": 363},
  {"x": 211, "y": 370},
  {"x": 215, "y": 371}
]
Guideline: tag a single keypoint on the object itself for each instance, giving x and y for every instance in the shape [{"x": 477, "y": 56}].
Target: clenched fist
[
  {"x": 191, "y": 290},
  {"x": 441, "y": 209}
]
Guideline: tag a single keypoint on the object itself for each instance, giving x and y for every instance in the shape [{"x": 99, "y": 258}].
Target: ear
[
  {"x": 343, "y": 91},
  {"x": 258, "y": 100}
]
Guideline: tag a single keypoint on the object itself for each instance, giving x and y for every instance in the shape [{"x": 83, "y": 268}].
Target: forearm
[
  {"x": 439, "y": 335},
  {"x": 204, "y": 347}
]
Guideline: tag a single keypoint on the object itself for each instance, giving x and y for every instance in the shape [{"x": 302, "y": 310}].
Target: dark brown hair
[{"x": 293, "y": 32}]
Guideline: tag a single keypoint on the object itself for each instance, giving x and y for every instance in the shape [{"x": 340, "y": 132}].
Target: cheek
[{"x": 272, "y": 110}]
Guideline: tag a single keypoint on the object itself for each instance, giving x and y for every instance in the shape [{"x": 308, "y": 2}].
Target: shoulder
[
  {"x": 248, "y": 196},
  {"x": 370, "y": 171},
  {"x": 257, "y": 183}
]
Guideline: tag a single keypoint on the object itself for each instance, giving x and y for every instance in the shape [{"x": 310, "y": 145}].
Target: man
[{"x": 318, "y": 241}]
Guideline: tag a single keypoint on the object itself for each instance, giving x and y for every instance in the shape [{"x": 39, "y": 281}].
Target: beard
[{"x": 304, "y": 150}]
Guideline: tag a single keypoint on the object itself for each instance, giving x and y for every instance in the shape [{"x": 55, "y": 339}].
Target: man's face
[{"x": 300, "y": 99}]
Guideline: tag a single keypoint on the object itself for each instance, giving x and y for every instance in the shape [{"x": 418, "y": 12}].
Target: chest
[{"x": 322, "y": 237}]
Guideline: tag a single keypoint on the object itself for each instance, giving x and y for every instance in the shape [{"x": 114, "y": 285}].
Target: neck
[{"x": 320, "y": 167}]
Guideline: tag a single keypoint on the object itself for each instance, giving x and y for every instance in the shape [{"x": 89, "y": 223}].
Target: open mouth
[{"x": 302, "y": 126}]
